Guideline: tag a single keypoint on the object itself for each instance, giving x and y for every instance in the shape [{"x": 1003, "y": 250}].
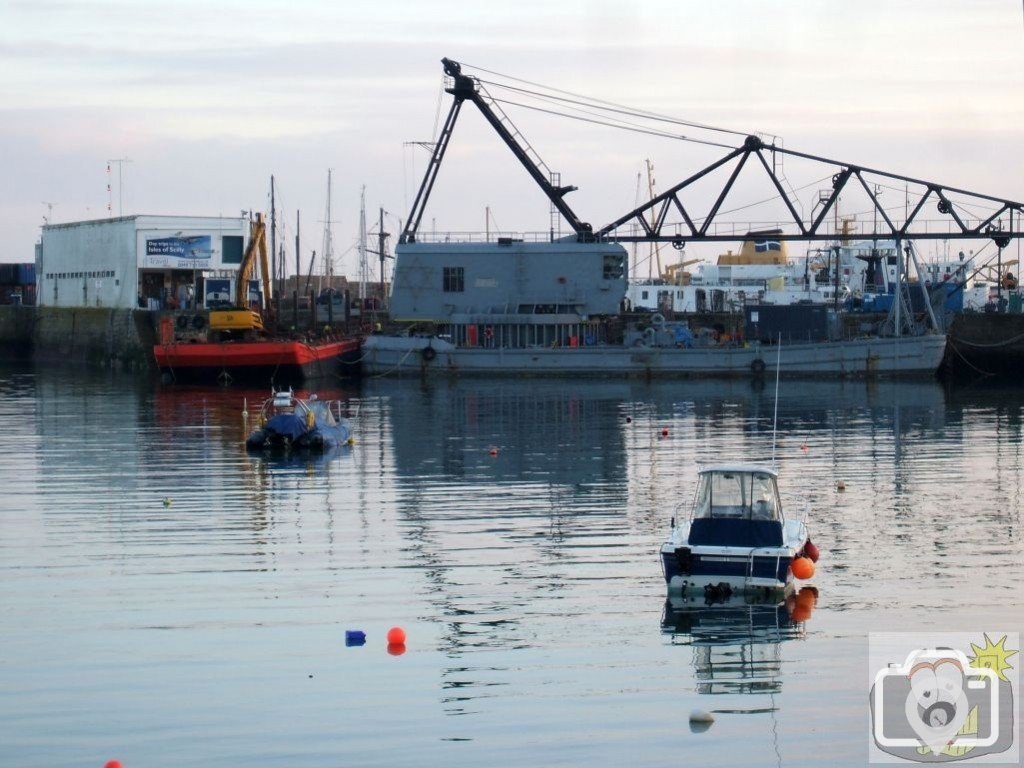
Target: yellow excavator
[{"x": 242, "y": 317}]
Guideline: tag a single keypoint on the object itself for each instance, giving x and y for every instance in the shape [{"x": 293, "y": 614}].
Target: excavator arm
[
  {"x": 242, "y": 318},
  {"x": 257, "y": 244}
]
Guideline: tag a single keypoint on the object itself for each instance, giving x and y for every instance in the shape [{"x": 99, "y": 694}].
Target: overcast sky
[{"x": 208, "y": 98}]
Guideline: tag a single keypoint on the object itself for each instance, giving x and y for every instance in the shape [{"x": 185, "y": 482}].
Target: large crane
[
  {"x": 463, "y": 88},
  {"x": 1001, "y": 225},
  {"x": 666, "y": 218}
]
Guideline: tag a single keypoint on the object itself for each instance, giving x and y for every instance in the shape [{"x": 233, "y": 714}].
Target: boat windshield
[
  {"x": 737, "y": 495},
  {"x": 322, "y": 409}
]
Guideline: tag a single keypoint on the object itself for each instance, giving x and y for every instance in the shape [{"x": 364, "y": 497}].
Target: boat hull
[
  {"x": 720, "y": 574},
  {"x": 856, "y": 358},
  {"x": 316, "y": 440},
  {"x": 986, "y": 343},
  {"x": 276, "y": 362}
]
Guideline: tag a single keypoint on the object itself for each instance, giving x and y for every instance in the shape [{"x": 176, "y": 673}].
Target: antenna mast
[{"x": 120, "y": 186}]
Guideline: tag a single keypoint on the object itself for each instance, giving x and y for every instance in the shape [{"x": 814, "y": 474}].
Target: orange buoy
[
  {"x": 803, "y": 605},
  {"x": 802, "y": 568},
  {"x": 396, "y": 636}
]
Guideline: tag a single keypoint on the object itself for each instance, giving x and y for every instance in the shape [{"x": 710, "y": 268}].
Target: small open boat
[
  {"x": 737, "y": 539},
  {"x": 287, "y": 422}
]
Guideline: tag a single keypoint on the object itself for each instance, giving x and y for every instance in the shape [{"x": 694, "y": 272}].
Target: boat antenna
[{"x": 775, "y": 416}]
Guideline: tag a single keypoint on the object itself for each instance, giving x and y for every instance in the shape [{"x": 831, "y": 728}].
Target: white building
[{"x": 152, "y": 262}]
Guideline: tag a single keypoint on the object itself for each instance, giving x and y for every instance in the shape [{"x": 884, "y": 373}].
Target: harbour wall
[
  {"x": 16, "y": 324},
  {"x": 115, "y": 338}
]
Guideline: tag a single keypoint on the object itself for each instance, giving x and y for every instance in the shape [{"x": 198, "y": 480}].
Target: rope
[
  {"x": 397, "y": 365},
  {"x": 978, "y": 345},
  {"x": 968, "y": 362},
  {"x": 166, "y": 346}
]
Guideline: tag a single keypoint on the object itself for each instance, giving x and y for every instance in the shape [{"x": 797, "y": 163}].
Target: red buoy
[
  {"x": 112, "y": 764},
  {"x": 664, "y": 432},
  {"x": 396, "y": 636},
  {"x": 811, "y": 551},
  {"x": 396, "y": 649}
]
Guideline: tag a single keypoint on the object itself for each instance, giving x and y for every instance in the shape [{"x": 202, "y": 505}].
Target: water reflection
[
  {"x": 528, "y": 578},
  {"x": 512, "y": 494},
  {"x": 736, "y": 642}
]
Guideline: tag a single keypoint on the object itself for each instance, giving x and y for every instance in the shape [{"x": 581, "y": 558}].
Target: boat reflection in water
[
  {"x": 309, "y": 460},
  {"x": 736, "y": 642}
]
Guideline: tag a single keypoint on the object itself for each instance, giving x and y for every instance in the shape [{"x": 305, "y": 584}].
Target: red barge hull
[{"x": 268, "y": 362}]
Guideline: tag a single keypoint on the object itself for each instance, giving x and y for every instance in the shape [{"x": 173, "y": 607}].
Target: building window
[
  {"x": 454, "y": 279},
  {"x": 231, "y": 249}
]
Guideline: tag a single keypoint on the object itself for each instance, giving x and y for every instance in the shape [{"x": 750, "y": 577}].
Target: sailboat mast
[
  {"x": 298, "y": 261},
  {"x": 273, "y": 237},
  {"x": 329, "y": 245},
  {"x": 327, "y": 257},
  {"x": 363, "y": 266},
  {"x": 382, "y": 241}
]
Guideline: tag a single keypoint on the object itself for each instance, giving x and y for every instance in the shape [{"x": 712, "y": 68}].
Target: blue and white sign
[
  {"x": 218, "y": 294},
  {"x": 190, "y": 248}
]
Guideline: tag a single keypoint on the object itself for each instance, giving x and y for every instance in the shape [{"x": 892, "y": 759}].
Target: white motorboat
[{"x": 737, "y": 539}]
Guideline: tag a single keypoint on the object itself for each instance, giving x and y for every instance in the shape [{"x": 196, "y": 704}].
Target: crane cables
[{"x": 600, "y": 111}]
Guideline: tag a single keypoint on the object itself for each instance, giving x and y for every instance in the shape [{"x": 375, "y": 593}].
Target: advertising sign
[
  {"x": 190, "y": 248},
  {"x": 218, "y": 294}
]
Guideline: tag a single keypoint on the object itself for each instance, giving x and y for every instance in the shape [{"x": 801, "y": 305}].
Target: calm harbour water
[{"x": 168, "y": 600}]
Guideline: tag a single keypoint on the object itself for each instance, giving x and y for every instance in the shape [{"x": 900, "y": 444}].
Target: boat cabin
[{"x": 737, "y": 506}]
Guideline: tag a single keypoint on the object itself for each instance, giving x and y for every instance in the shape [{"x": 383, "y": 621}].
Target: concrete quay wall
[{"x": 116, "y": 338}]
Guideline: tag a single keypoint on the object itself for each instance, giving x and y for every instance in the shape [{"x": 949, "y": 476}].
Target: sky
[{"x": 206, "y": 99}]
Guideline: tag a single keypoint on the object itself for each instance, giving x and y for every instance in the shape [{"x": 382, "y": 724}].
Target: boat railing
[
  {"x": 801, "y": 514},
  {"x": 281, "y": 401},
  {"x": 483, "y": 237}
]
